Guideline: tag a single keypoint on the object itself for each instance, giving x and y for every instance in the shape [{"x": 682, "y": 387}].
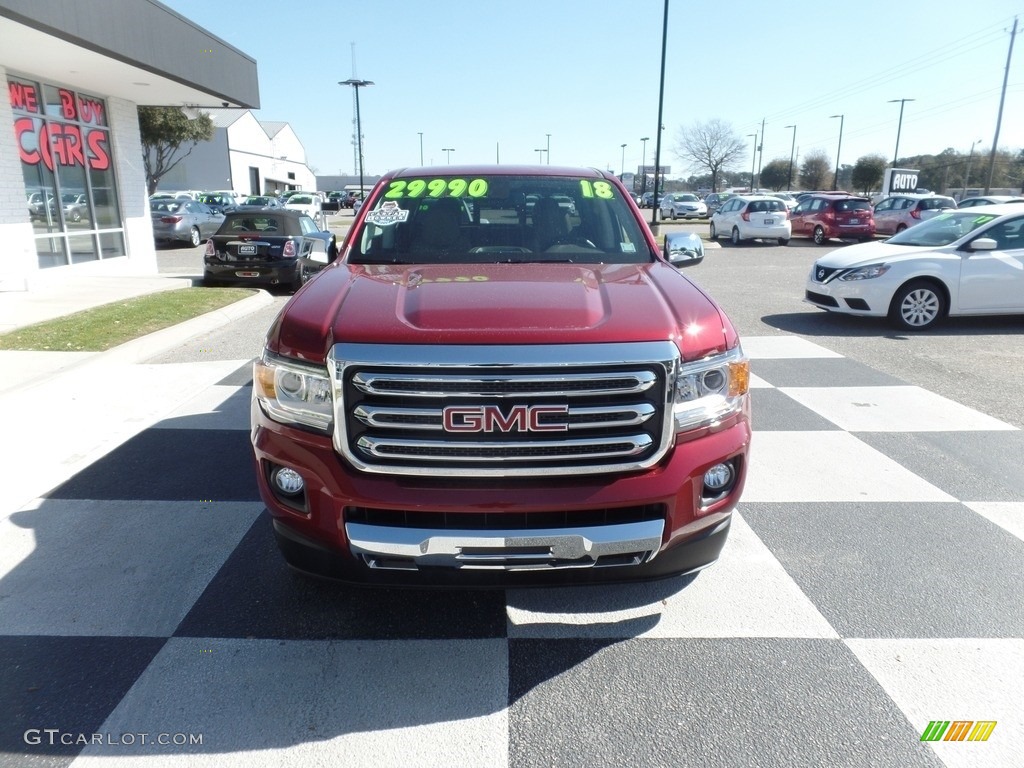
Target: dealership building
[{"x": 73, "y": 196}]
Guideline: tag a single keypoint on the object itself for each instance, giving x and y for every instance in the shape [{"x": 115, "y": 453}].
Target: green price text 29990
[{"x": 436, "y": 188}]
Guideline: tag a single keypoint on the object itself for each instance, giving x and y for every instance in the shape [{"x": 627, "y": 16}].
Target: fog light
[
  {"x": 288, "y": 481},
  {"x": 718, "y": 478}
]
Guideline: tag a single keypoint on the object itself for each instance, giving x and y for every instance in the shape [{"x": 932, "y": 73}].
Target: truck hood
[{"x": 499, "y": 304}]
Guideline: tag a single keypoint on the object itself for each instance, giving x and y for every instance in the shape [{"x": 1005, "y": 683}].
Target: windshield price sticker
[
  {"x": 983, "y": 220},
  {"x": 389, "y": 213},
  {"x": 436, "y": 188}
]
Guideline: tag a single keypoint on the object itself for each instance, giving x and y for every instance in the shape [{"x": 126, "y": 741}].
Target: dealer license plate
[
  {"x": 247, "y": 250},
  {"x": 769, "y": 221}
]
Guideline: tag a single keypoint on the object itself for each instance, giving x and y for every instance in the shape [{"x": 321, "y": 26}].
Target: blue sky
[{"x": 492, "y": 79}]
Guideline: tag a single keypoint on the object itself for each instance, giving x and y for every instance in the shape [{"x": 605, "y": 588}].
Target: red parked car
[{"x": 822, "y": 217}]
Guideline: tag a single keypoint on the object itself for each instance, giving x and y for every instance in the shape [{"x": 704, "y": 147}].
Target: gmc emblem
[{"x": 489, "y": 418}]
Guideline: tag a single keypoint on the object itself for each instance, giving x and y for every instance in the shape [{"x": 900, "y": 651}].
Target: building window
[{"x": 64, "y": 145}]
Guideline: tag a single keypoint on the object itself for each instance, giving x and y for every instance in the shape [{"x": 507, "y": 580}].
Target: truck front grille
[{"x": 503, "y": 410}]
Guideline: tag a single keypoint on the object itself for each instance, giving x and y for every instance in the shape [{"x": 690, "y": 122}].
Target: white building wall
[
  {"x": 19, "y": 264},
  {"x": 18, "y": 255}
]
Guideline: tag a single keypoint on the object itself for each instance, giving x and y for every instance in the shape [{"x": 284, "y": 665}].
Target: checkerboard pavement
[{"x": 872, "y": 582}]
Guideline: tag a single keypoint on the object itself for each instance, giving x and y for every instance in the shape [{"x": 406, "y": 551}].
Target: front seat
[
  {"x": 438, "y": 228},
  {"x": 550, "y": 224}
]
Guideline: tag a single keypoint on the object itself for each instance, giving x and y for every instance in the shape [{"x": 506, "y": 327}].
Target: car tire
[
  {"x": 735, "y": 236},
  {"x": 917, "y": 306},
  {"x": 76, "y": 216},
  {"x": 819, "y": 236},
  {"x": 900, "y": 228},
  {"x": 673, "y": 214},
  {"x": 194, "y": 238},
  {"x": 712, "y": 232},
  {"x": 783, "y": 241}
]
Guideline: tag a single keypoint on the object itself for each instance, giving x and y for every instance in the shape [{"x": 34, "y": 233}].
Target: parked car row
[{"x": 822, "y": 216}]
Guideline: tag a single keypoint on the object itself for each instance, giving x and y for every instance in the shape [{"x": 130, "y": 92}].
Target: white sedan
[
  {"x": 962, "y": 262},
  {"x": 308, "y": 204},
  {"x": 682, "y": 206}
]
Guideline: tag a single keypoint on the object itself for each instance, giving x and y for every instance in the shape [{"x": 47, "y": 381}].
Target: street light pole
[
  {"x": 967, "y": 175},
  {"x": 792, "y": 147},
  {"x": 622, "y": 172},
  {"x": 548, "y": 150},
  {"x": 448, "y": 153},
  {"x": 899, "y": 129},
  {"x": 753, "y": 161},
  {"x": 835, "y": 179},
  {"x": 540, "y": 156},
  {"x": 643, "y": 165},
  {"x": 421, "y": 147},
  {"x": 661, "y": 105},
  {"x": 356, "y": 85}
]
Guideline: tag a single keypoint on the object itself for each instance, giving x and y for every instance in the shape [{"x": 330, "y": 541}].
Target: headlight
[
  {"x": 708, "y": 390},
  {"x": 293, "y": 393},
  {"x": 866, "y": 273}
]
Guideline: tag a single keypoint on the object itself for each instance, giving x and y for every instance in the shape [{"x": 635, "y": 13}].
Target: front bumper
[
  {"x": 316, "y": 534},
  {"x": 859, "y": 297}
]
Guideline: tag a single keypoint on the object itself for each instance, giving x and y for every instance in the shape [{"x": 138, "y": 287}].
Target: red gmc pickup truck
[{"x": 500, "y": 381}]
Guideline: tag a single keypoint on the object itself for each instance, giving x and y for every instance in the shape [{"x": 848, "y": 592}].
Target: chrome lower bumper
[{"x": 393, "y": 548}]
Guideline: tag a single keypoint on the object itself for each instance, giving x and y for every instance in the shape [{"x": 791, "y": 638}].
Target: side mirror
[
  {"x": 984, "y": 244},
  {"x": 683, "y": 249}
]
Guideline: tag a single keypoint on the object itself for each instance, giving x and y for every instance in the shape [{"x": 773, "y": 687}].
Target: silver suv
[{"x": 896, "y": 213}]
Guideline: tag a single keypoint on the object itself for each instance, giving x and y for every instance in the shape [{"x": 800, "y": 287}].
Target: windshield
[
  {"x": 500, "y": 218},
  {"x": 942, "y": 229}
]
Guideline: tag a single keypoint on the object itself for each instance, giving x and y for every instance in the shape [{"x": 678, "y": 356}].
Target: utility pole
[
  {"x": 999, "y": 119},
  {"x": 760, "y": 150}
]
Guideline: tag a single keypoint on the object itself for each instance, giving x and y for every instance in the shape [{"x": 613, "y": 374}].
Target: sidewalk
[{"x": 61, "y": 298}]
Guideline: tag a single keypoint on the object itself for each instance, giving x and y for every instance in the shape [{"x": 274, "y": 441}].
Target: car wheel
[
  {"x": 783, "y": 241},
  {"x": 673, "y": 214},
  {"x": 900, "y": 228},
  {"x": 194, "y": 237},
  {"x": 918, "y": 305},
  {"x": 712, "y": 233},
  {"x": 735, "y": 236},
  {"x": 819, "y": 236},
  {"x": 76, "y": 216}
]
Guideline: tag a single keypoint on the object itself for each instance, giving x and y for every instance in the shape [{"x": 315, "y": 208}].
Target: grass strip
[{"x": 106, "y": 326}]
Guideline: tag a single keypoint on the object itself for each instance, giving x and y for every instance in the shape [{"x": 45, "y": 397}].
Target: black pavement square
[
  {"x": 970, "y": 466},
  {"x": 256, "y": 595},
  {"x": 773, "y": 411},
  {"x": 702, "y": 702},
  {"x": 66, "y": 684},
  {"x": 171, "y": 465},
  {"x": 820, "y": 372},
  {"x": 898, "y": 569}
]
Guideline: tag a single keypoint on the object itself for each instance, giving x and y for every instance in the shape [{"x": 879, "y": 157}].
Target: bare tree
[{"x": 710, "y": 147}]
